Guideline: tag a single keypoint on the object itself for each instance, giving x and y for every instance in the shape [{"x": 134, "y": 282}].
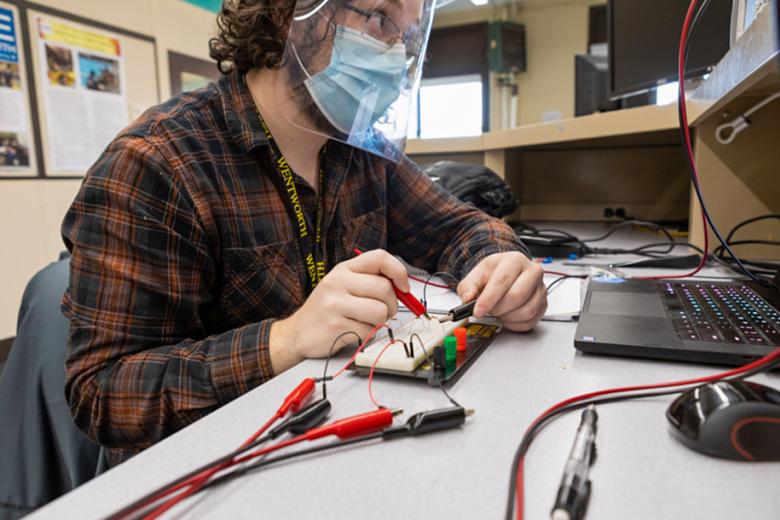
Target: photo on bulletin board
[
  {"x": 189, "y": 73},
  {"x": 17, "y": 157},
  {"x": 83, "y": 95}
]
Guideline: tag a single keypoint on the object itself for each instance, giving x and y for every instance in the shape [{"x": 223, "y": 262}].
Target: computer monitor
[
  {"x": 592, "y": 85},
  {"x": 644, "y": 39}
]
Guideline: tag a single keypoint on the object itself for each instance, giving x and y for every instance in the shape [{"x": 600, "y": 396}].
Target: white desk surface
[{"x": 641, "y": 471}]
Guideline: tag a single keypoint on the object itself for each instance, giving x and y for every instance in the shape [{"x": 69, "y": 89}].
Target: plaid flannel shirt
[{"x": 184, "y": 254}]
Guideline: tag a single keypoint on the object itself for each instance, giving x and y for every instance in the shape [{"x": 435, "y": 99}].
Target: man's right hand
[{"x": 355, "y": 296}]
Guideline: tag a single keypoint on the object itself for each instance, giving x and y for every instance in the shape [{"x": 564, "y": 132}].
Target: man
[{"x": 213, "y": 241}]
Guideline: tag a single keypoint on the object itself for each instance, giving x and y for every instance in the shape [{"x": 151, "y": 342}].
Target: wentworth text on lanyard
[{"x": 311, "y": 249}]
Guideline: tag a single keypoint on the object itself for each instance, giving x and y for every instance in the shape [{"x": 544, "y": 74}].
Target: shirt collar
[{"x": 241, "y": 113}]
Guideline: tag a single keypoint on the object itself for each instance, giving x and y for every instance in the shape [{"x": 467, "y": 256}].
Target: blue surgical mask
[{"x": 363, "y": 79}]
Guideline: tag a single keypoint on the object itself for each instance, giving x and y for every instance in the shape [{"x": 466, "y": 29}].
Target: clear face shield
[{"x": 351, "y": 69}]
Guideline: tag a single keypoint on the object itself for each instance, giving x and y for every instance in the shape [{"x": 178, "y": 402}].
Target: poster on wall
[
  {"x": 83, "y": 91},
  {"x": 15, "y": 136}
]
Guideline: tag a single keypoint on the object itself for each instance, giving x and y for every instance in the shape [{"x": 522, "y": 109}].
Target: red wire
[
  {"x": 371, "y": 372},
  {"x": 194, "y": 489},
  {"x": 197, "y": 481},
  {"x": 699, "y": 380},
  {"x": 430, "y": 284}
]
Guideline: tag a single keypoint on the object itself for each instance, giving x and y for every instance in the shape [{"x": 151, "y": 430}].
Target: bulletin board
[
  {"x": 17, "y": 134},
  {"x": 91, "y": 82}
]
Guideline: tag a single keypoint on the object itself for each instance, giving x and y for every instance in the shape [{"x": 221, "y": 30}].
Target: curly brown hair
[{"x": 252, "y": 34}]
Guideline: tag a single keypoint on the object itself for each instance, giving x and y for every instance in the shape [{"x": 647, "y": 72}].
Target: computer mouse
[{"x": 729, "y": 419}]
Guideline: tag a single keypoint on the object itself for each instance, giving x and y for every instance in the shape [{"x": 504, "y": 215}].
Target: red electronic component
[
  {"x": 298, "y": 397},
  {"x": 461, "y": 333},
  {"x": 355, "y": 426}
]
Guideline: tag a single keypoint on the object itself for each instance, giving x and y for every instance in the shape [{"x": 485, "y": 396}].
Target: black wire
[
  {"x": 544, "y": 421},
  {"x": 330, "y": 355},
  {"x": 209, "y": 465},
  {"x": 760, "y": 242},
  {"x": 287, "y": 456},
  {"x": 637, "y": 223},
  {"x": 749, "y": 221},
  {"x": 558, "y": 281}
]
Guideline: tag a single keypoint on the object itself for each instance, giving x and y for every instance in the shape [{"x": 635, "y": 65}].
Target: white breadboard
[{"x": 431, "y": 332}]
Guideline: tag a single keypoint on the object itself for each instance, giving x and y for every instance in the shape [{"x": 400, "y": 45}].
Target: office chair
[{"x": 42, "y": 453}]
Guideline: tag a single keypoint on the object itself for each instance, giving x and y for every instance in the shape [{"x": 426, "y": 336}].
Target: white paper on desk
[{"x": 564, "y": 302}]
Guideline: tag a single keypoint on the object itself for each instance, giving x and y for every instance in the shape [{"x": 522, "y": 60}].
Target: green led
[{"x": 451, "y": 347}]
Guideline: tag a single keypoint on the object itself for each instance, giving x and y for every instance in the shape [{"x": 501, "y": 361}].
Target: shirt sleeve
[
  {"x": 139, "y": 364},
  {"x": 431, "y": 229}
]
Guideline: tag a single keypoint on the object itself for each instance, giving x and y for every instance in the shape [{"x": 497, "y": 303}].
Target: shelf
[{"x": 567, "y": 132}]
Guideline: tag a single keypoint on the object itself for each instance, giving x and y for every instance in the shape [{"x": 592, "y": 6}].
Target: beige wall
[
  {"x": 556, "y": 30},
  {"x": 31, "y": 210}
]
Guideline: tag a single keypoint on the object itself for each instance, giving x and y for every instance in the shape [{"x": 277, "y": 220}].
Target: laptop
[{"x": 729, "y": 323}]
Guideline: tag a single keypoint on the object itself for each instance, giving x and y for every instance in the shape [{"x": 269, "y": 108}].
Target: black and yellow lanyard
[{"x": 311, "y": 247}]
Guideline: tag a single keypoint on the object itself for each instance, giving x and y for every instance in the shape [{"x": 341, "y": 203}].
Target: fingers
[
  {"x": 470, "y": 287},
  {"x": 500, "y": 281},
  {"x": 525, "y": 326},
  {"x": 381, "y": 262},
  {"x": 364, "y": 310},
  {"x": 374, "y": 287},
  {"x": 527, "y": 314},
  {"x": 526, "y": 288}
]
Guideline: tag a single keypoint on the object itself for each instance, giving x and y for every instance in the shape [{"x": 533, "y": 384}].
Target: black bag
[{"x": 475, "y": 184}]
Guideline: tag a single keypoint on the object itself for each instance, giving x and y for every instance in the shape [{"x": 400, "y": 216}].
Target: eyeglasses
[{"x": 381, "y": 27}]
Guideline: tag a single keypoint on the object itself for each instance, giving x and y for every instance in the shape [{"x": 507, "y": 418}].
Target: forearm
[
  {"x": 137, "y": 399},
  {"x": 281, "y": 345}
]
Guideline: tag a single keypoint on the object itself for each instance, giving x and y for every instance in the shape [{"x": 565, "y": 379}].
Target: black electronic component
[
  {"x": 592, "y": 85},
  {"x": 729, "y": 419},
  {"x": 460, "y": 312},
  {"x": 643, "y": 42},
  {"x": 309, "y": 417},
  {"x": 431, "y": 421},
  {"x": 439, "y": 359}
]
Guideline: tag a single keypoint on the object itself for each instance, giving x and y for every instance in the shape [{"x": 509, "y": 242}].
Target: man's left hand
[{"x": 509, "y": 287}]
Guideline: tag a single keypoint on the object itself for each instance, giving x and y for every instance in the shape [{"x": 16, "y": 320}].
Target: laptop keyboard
[{"x": 728, "y": 313}]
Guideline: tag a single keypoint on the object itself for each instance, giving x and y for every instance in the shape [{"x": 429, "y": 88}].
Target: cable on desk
[
  {"x": 294, "y": 401},
  {"x": 419, "y": 424},
  {"x": 325, "y": 377},
  {"x": 634, "y": 223},
  {"x": 354, "y": 426},
  {"x": 612, "y": 395},
  {"x": 373, "y": 367},
  {"x": 748, "y": 222}
]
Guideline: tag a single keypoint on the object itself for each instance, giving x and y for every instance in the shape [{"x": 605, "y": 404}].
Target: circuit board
[
  {"x": 430, "y": 332},
  {"x": 421, "y": 364}
]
